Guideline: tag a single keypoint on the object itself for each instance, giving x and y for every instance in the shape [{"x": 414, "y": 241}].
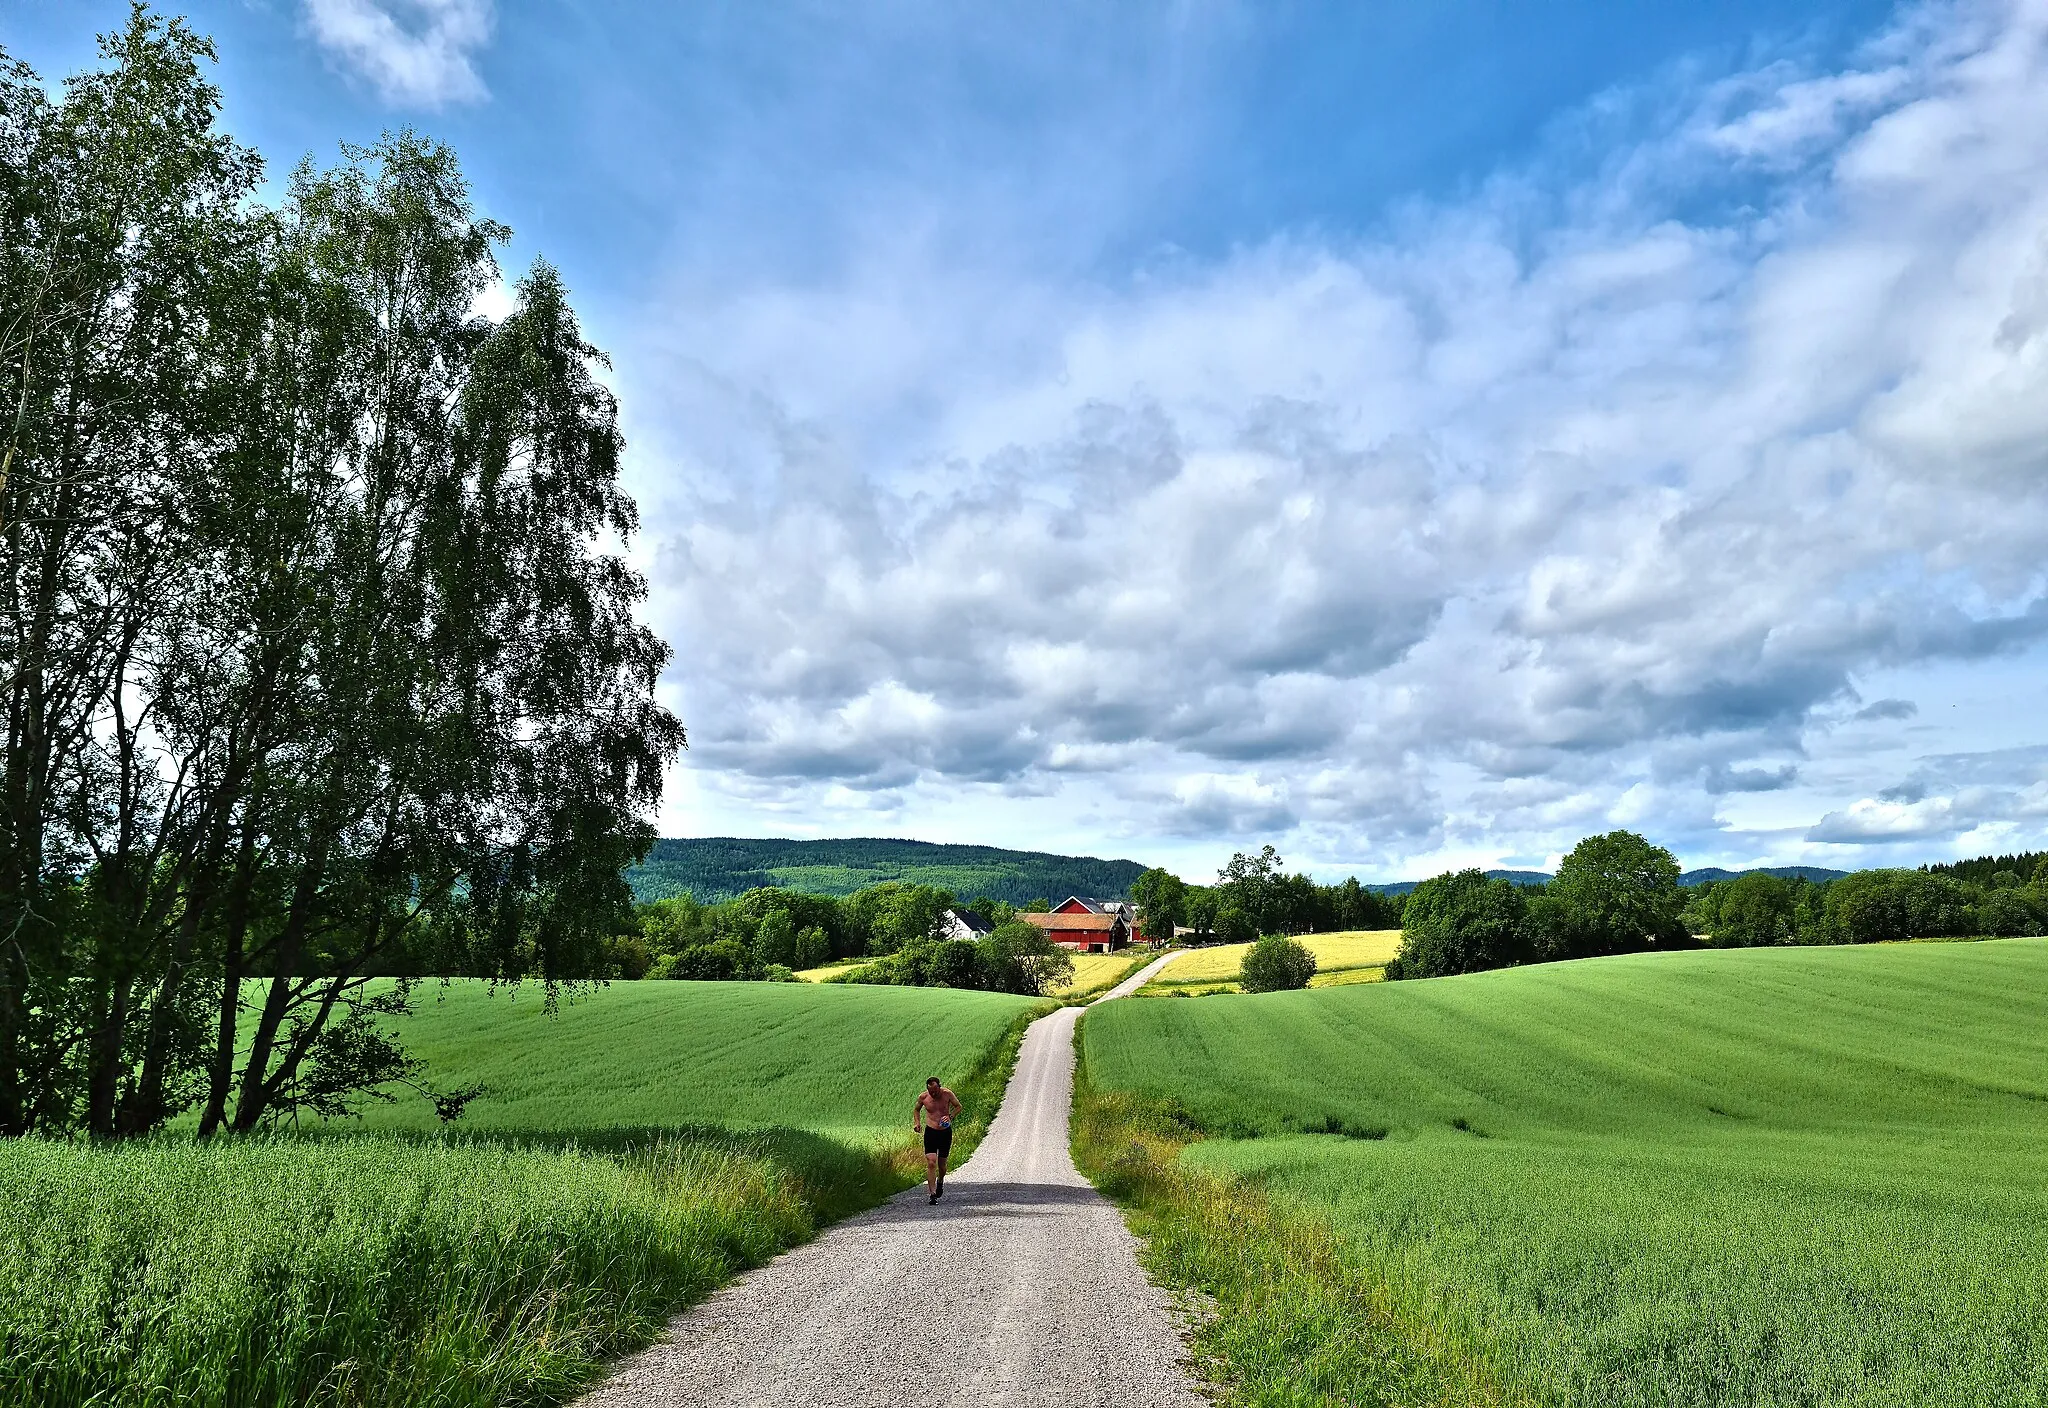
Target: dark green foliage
[
  {"x": 1234, "y": 926},
  {"x": 1614, "y": 893},
  {"x": 1015, "y": 958},
  {"x": 813, "y": 948},
  {"x": 1270, "y": 901},
  {"x": 1462, "y": 923},
  {"x": 1277, "y": 963},
  {"x": 1983, "y": 870},
  {"x": 717, "y": 868},
  {"x": 314, "y": 663},
  {"x": 1750, "y": 911},
  {"x": 1161, "y": 897},
  {"x": 2008, "y": 912},
  {"x": 1872, "y": 906},
  {"x": 892, "y": 914}
]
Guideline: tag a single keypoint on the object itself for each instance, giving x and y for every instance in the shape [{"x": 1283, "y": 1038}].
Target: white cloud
[
  {"x": 1472, "y": 537},
  {"x": 416, "y": 53}
]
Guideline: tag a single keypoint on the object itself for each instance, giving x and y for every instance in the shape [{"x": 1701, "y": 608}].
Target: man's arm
[{"x": 917, "y": 1114}]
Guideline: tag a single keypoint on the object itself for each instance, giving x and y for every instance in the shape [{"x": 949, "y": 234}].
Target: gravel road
[{"x": 1020, "y": 1287}]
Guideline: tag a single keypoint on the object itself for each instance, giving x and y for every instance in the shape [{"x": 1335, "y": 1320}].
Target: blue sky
[{"x": 1411, "y": 435}]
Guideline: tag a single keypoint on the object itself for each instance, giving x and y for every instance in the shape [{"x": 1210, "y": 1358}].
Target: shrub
[
  {"x": 1277, "y": 964},
  {"x": 722, "y": 960}
]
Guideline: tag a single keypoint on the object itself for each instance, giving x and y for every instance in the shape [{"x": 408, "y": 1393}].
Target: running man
[{"x": 936, "y": 1110}]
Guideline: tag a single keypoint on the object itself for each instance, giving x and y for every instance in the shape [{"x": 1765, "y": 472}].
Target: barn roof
[{"x": 1103, "y": 922}]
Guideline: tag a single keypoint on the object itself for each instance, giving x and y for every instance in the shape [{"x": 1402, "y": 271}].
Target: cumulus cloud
[
  {"x": 1994, "y": 796},
  {"x": 416, "y": 53},
  {"x": 1517, "y": 520}
]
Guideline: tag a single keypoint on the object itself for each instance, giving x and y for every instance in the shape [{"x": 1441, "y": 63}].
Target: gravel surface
[{"x": 1020, "y": 1287}]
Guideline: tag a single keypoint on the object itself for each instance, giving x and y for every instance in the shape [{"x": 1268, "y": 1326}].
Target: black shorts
[{"x": 938, "y": 1141}]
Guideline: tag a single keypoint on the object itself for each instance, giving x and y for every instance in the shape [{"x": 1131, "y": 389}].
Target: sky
[{"x": 1413, "y": 436}]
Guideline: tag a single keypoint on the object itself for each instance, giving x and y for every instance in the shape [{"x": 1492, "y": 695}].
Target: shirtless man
[{"x": 936, "y": 1110}]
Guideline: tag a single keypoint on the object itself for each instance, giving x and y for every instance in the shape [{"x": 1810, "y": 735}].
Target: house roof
[
  {"x": 1098, "y": 922},
  {"x": 968, "y": 919},
  {"x": 1092, "y": 905}
]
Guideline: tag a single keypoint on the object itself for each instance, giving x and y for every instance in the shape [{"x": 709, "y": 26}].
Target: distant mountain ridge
[
  {"x": 1688, "y": 878},
  {"x": 1519, "y": 877},
  {"x": 1815, "y": 873},
  {"x": 720, "y": 867}
]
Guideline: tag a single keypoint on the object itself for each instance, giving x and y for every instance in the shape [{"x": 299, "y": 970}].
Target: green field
[
  {"x": 1786, "y": 1176},
  {"x": 837, "y": 1059},
  {"x": 632, "y": 1151}
]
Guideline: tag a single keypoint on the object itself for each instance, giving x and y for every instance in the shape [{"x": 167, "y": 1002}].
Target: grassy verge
[{"x": 1295, "y": 1322}]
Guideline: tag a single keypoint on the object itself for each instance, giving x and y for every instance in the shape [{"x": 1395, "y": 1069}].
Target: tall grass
[
  {"x": 1290, "y": 1319},
  {"x": 365, "y": 1271}
]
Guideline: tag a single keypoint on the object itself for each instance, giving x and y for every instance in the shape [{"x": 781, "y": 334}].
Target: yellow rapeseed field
[{"x": 1355, "y": 956}]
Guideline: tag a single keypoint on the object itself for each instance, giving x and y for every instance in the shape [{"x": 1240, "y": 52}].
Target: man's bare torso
[{"x": 939, "y": 1109}]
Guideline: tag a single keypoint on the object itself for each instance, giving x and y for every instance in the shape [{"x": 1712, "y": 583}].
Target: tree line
[
  {"x": 1618, "y": 893},
  {"x": 315, "y": 666},
  {"x": 768, "y": 933},
  {"x": 1253, "y": 895}
]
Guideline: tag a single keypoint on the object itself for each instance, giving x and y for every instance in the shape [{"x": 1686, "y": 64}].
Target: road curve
[
  {"x": 1020, "y": 1287},
  {"x": 1142, "y": 976}
]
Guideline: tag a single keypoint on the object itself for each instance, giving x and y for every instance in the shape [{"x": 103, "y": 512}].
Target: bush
[
  {"x": 1277, "y": 964},
  {"x": 722, "y": 960}
]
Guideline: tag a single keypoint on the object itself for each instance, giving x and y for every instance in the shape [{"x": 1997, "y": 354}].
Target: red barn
[{"x": 1086, "y": 926}]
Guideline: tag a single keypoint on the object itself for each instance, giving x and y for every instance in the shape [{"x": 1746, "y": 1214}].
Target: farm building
[
  {"x": 958, "y": 924},
  {"x": 1086, "y": 925}
]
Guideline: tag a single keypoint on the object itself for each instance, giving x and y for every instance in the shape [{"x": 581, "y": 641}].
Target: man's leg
[
  {"x": 932, "y": 1176},
  {"x": 944, "y": 1159}
]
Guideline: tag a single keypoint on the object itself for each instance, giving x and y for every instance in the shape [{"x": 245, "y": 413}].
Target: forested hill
[{"x": 720, "y": 867}]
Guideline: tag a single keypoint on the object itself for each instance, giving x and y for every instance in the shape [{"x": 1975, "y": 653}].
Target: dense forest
[{"x": 715, "y": 868}]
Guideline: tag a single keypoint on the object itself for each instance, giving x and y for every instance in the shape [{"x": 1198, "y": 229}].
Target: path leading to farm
[{"x": 1020, "y": 1287}]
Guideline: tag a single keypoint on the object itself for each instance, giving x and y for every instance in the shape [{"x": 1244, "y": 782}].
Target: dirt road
[{"x": 1020, "y": 1287}]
